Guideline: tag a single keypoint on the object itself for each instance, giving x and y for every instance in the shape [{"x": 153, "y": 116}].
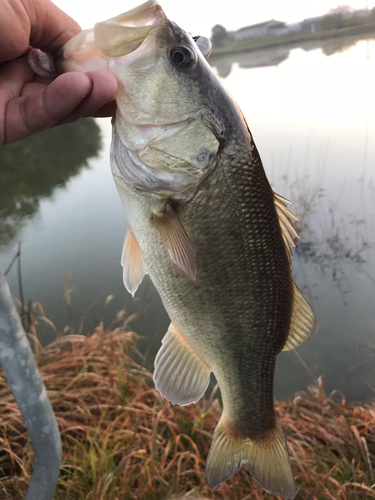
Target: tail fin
[{"x": 267, "y": 460}]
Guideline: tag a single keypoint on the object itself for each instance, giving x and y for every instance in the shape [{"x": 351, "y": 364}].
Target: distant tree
[
  {"x": 342, "y": 10},
  {"x": 337, "y": 18},
  {"x": 219, "y": 34}
]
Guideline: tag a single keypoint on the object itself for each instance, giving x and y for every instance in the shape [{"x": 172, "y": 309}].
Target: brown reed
[{"x": 122, "y": 440}]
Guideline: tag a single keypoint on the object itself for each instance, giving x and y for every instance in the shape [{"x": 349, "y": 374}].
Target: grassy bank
[
  {"x": 291, "y": 39},
  {"x": 122, "y": 440}
]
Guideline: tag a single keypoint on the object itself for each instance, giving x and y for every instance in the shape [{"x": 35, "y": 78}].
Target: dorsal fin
[
  {"x": 303, "y": 320},
  {"x": 302, "y": 323},
  {"x": 177, "y": 242},
  {"x": 134, "y": 268},
  {"x": 286, "y": 219}
]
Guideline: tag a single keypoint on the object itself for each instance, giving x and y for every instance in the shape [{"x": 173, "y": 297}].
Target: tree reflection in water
[{"x": 33, "y": 168}]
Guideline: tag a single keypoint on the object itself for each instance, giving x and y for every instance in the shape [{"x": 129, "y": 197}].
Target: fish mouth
[
  {"x": 149, "y": 13},
  {"x": 123, "y": 34},
  {"x": 115, "y": 38}
]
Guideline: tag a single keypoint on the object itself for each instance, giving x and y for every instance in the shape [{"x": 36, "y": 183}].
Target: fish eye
[{"x": 182, "y": 56}]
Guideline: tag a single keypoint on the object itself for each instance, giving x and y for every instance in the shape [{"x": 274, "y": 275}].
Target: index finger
[
  {"x": 39, "y": 23},
  {"x": 50, "y": 26}
]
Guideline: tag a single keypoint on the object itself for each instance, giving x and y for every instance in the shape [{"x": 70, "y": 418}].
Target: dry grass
[{"x": 122, "y": 440}]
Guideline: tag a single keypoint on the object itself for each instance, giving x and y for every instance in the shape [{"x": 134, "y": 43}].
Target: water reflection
[
  {"x": 276, "y": 55},
  {"x": 253, "y": 59},
  {"x": 33, "y": 168},
  {"x": 330, "y": 46},
  {"x": 333, "y": 264},
  {"x": 345, "y": 242}
]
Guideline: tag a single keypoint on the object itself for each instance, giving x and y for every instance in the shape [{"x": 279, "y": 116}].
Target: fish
[{"x": 206, "y": 226}]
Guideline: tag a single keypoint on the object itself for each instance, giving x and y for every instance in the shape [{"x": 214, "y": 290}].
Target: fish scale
[{"x": 242, "y": 328}]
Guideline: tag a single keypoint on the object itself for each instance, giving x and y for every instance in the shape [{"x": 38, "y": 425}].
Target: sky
[{"x": 198, "y": 16}]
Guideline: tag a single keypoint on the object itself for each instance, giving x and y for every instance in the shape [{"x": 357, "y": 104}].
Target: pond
[{"x": 312, "y": 114}]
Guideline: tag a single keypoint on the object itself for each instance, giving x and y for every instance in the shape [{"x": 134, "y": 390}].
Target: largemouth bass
[{"x": 206, "y": 226}]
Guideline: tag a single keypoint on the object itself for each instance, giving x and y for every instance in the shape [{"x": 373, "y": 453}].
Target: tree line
[{"x": 343, "y": 16}]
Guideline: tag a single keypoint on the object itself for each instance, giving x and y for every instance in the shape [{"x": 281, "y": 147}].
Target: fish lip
[{"x": 150, "y": 7}]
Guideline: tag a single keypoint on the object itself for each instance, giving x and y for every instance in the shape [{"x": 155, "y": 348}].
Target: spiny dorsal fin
[
  {"x": 132, "y": 262},
  {"x": 286, "y": 219},
  {"x": 180, "y": 375},
  {"x": 302, "y": 323},
  {"x": 177, "y": 243}
]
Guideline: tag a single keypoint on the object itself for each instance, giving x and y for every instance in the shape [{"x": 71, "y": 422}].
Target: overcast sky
[{"x": 198, "y": 16}]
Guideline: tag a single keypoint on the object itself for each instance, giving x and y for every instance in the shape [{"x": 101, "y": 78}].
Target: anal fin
[
  {"x": 134, "y": 268},
  {"x": 180, "y": 375},
  {"x": 302, "y": 323},
  {"x": 177, "y": 243}
]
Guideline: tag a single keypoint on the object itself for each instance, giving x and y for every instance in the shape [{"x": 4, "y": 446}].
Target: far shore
[{"x": 291, "y": 39}]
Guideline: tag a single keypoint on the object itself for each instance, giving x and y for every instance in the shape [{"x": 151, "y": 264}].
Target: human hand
[{"x": 30, "y": 103}]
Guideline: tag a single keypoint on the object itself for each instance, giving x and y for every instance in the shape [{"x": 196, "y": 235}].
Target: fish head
[
  {"x": 165, "y": 139},
  {"x": 164, "y": 77},
  {"x": 163, "y": 99}
]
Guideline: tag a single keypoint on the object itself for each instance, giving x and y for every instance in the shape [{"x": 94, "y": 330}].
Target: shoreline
[{"x": 291, "y": 40}]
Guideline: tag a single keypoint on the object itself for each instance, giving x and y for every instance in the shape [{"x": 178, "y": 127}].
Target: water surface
[{"x": 312, "y": 113}]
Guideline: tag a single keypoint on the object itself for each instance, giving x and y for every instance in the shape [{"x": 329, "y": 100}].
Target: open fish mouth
[
  {"x": 115, "y": 38},
  {"x": 102, "y": 47},
  {"x": 97, "y": 48}
]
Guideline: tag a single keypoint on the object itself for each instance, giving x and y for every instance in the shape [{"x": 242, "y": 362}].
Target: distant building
[
  {"x": 262, "y": 29},
  {"x": 312, "y": 24}
]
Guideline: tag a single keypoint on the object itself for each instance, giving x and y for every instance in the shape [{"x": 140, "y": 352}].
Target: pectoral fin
[
  {"x": 180, "y": 375},
  {"x": 132, "y": 262},
  {"x": 302, "y": 323},
  {"x": 177, "y": 243}
]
